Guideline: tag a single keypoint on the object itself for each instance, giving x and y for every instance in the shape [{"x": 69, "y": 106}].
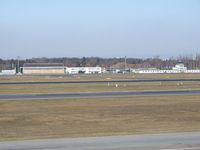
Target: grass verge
[
  {"x": 98, "y": 117},
  {"x": 97, "y": 87},
  {"x": 107, "y": 77}
]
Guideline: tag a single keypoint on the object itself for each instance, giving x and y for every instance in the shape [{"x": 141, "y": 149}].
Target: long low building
[
  {"x": 56, "y": 68},
  {"x": 43, "y": 68},
  {"x": 8, "y": 72},
  {"x": 83, "y": 70},
  {"x": 146, "y": 71},
  {"x": 179, "y": 68}
]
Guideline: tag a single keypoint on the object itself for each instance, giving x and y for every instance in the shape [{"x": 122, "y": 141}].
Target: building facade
[
  {"x": 83, "y": 70},
  {"x": 43, "y": 68},
  {"x": 179, "y": 68},
  {"x": 8, "y": 72}
]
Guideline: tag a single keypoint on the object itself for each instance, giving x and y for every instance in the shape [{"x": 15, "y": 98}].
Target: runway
[
  {"x": 103, "y": 81},
  {"x": 96, "y": 94},
  {"x": 170, "y": 141}
]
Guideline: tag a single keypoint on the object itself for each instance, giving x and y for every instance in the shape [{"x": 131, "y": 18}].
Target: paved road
[
  {"x": 96, "y": 94},
  {"x": 172, "y": 141},
  {"x": 105, "y": 81}
]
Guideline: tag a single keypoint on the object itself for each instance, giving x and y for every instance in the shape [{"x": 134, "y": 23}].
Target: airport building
[
  {"x": 8, "y": 72},
  {"x": 56, "y": 68},
  {"x": 43, "y": 68},
  {"x": 60, "y": 69},
  {"x": 83, "y": 70},
  {"x": 179, "y": 68}
]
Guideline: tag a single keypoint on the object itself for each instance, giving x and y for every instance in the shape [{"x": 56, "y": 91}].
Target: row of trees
[{"x": 155, "y": 62}]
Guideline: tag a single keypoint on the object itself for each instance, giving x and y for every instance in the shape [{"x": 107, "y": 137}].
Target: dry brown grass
[
  {"x": 96, "y": 77},
  {"x": 59, "y": 88},
  {"x": 95, "y": 117}
]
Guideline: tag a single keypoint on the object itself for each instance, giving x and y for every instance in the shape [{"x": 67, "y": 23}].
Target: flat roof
[{"x": 43, "y": 65}]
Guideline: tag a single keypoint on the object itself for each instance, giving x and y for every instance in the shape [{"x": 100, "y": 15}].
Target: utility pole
[
  {"x": 18, "y": 69},
  {"x": 125, "y": 63}
]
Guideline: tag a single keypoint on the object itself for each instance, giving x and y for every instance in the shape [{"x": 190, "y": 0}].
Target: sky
[{"x": 99, "y": 28}]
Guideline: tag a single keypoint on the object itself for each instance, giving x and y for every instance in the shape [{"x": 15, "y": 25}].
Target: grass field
[
  {"x": 100, "y": 116},
  {"x": 97, "y": 117},
  {"x": 107, "y": 77},
  {"x": 96, "y": 87}
]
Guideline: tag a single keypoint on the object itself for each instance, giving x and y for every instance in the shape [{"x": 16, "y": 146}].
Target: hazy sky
[{"x": 104, "y": 28}]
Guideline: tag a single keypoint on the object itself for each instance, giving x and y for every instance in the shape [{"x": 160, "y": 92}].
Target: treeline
[{"x": 155, "y": 62}]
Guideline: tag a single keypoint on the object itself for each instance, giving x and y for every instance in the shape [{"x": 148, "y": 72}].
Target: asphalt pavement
[
  {"x": 170, "y": 141},
  {"x": 97, "y": 94}
]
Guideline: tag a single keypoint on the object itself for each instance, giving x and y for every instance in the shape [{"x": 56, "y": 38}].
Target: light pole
[
  {"x": 18, "y": 69},
  {"x": 125, "y": 63}
]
